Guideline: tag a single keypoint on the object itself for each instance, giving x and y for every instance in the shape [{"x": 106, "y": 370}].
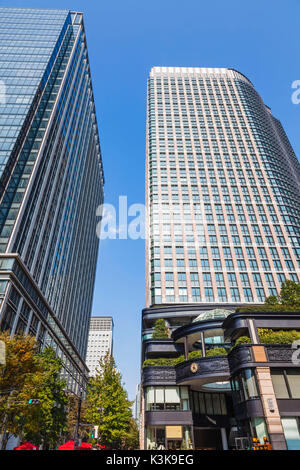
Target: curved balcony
[
  {"x": 277, "y": 355},
  {"x": 201, "y": 371},
  {"x": 196, "y": 372}
]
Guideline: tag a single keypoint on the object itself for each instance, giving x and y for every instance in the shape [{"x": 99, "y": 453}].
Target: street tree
[
  {"x": 108, "y": 405},
  {"x": 20, "y": 351},
  {"x": 84, "y": 430},
  {"x": 45, "y": 422}
]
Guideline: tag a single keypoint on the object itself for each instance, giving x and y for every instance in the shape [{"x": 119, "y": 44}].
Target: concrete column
[
  {"x": 252, "y": 331},
  {"x": 202, "y": 344},
  {"x": 224, "y": 439},
  {"x": 186, "y": 351}
]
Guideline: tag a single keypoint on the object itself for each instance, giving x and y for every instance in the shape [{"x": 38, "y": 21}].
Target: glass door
[
  {"x": 291, "y": 433},
  {"x": 174, "y": 444}
]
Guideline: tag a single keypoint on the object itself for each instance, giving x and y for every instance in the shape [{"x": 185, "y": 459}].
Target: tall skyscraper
[
  {"x": 51, "y": 182},
  {"x": 222, "y": 193},
  {"x": 100, "y": 342}
]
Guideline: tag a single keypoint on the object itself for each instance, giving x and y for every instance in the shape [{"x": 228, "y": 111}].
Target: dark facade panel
[
  {"x": 154, "y": 375},
  {"x": 158, "y": 418}
]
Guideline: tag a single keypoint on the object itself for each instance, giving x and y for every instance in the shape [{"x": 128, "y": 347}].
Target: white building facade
[{"x": 100, "y": 341}]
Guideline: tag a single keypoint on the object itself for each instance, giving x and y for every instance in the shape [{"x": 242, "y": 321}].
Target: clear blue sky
[{"x": 125, "y": 39}]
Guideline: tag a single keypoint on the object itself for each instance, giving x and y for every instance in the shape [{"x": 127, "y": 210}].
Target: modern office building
[
  {"x": 222, "y": 193},
  {"x": 100, "y": 342},
  {"x": 51, "y": 182}
]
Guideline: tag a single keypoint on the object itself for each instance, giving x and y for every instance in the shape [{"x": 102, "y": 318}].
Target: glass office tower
[
  {"x": 223, "y": 191},
  {"x": 51, "y": 182},
  {"x": 223, "y": 194}
]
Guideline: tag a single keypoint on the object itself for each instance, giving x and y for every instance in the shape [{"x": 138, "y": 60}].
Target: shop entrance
[
  {"x": 207, "y": 439},
  {"x": 174, "y": 444}
]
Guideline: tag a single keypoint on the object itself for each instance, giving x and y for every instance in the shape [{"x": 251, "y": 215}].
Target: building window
[
  {"x": 259, "y": 429},
  {"x": 291, "y": 432},
  {"x": 167, "y": 398},
  {"x": 286, "y": 383},
  {"x": 244, "y": 386},
  {"x": 208, "y": 403}
]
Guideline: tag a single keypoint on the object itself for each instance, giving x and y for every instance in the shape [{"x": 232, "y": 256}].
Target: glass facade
[
  {"x": 222, "y": 189},
  {"x": 51, "y": 180}
]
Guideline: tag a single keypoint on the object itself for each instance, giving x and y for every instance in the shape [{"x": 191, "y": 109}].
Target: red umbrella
[
  {"x": 69, "y": 445},
  {"x": 85, "y": 446},
  {"x": 26, "y": 446}
]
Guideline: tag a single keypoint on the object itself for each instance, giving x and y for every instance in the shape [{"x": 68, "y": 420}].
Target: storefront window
[
  {"x": 169, "y": 437},
  {"x": 156, "y": 437},
  {"x": 259, "y": 429},
  {"x": 291, "y": 433}
]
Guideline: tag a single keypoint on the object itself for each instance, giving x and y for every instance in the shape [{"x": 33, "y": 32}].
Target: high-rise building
[
  {"x": 222, "y": 191},
  {"x": 51, "y": 182},
  {"x": 223, "y": 194},
  {"x": 100, "y": 342}
]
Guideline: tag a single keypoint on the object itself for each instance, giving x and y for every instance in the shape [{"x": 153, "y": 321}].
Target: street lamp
[{"x": 78, "y": 420}]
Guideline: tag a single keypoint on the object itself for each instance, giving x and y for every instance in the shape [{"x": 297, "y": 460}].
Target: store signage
[{"x": 174, "y": 432}]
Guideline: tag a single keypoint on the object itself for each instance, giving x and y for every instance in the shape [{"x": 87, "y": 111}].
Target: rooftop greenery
[
  {"x": 163, "y": 361},
  {"x": 287, "y": 301}
]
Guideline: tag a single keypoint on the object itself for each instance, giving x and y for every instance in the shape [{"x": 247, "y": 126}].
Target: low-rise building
[{"x": 222, "y": 379}]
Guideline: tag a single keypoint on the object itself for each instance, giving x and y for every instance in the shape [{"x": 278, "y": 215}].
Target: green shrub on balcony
[
  {"x": 160, "y": 329},
  {"x": 268, "y": 336},
  {"x": 164, "y": 361},
  {"x": 194, "y": 355},
  {"x": 216, "y": 352},
  {"x": 287, "y": 301},
  {"x": 268, "y": 308},
  {"x": 173, "y": 361},
  {"x": 241, "y": 340}
]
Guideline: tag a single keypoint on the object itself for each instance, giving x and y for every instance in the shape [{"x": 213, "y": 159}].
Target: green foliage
[
  {"x": 26, "y": 375},
  {"x": 269, "y": 336},
  {"x": 268, "y": 308},
  {"x": 20, "y": 351},
  {"x": 195, "y": 355},
  {"x": 216, "y": 352},
  {"x": 288, "y": 301},
  {"x": 240, "y": 341},
  {"x": 108, "y": 405},
  {"x": 48, "y": 420},
  {"x": 131, "y": 440},
  {"x": 173, "y": 361},
  {"x": 84, "y": 430},
  {"x": 160, "y": 329},
  {"x": 164, "y": 361},
  {"x": 271, "y": 300},
  {"x": 290, "y": 293}
]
